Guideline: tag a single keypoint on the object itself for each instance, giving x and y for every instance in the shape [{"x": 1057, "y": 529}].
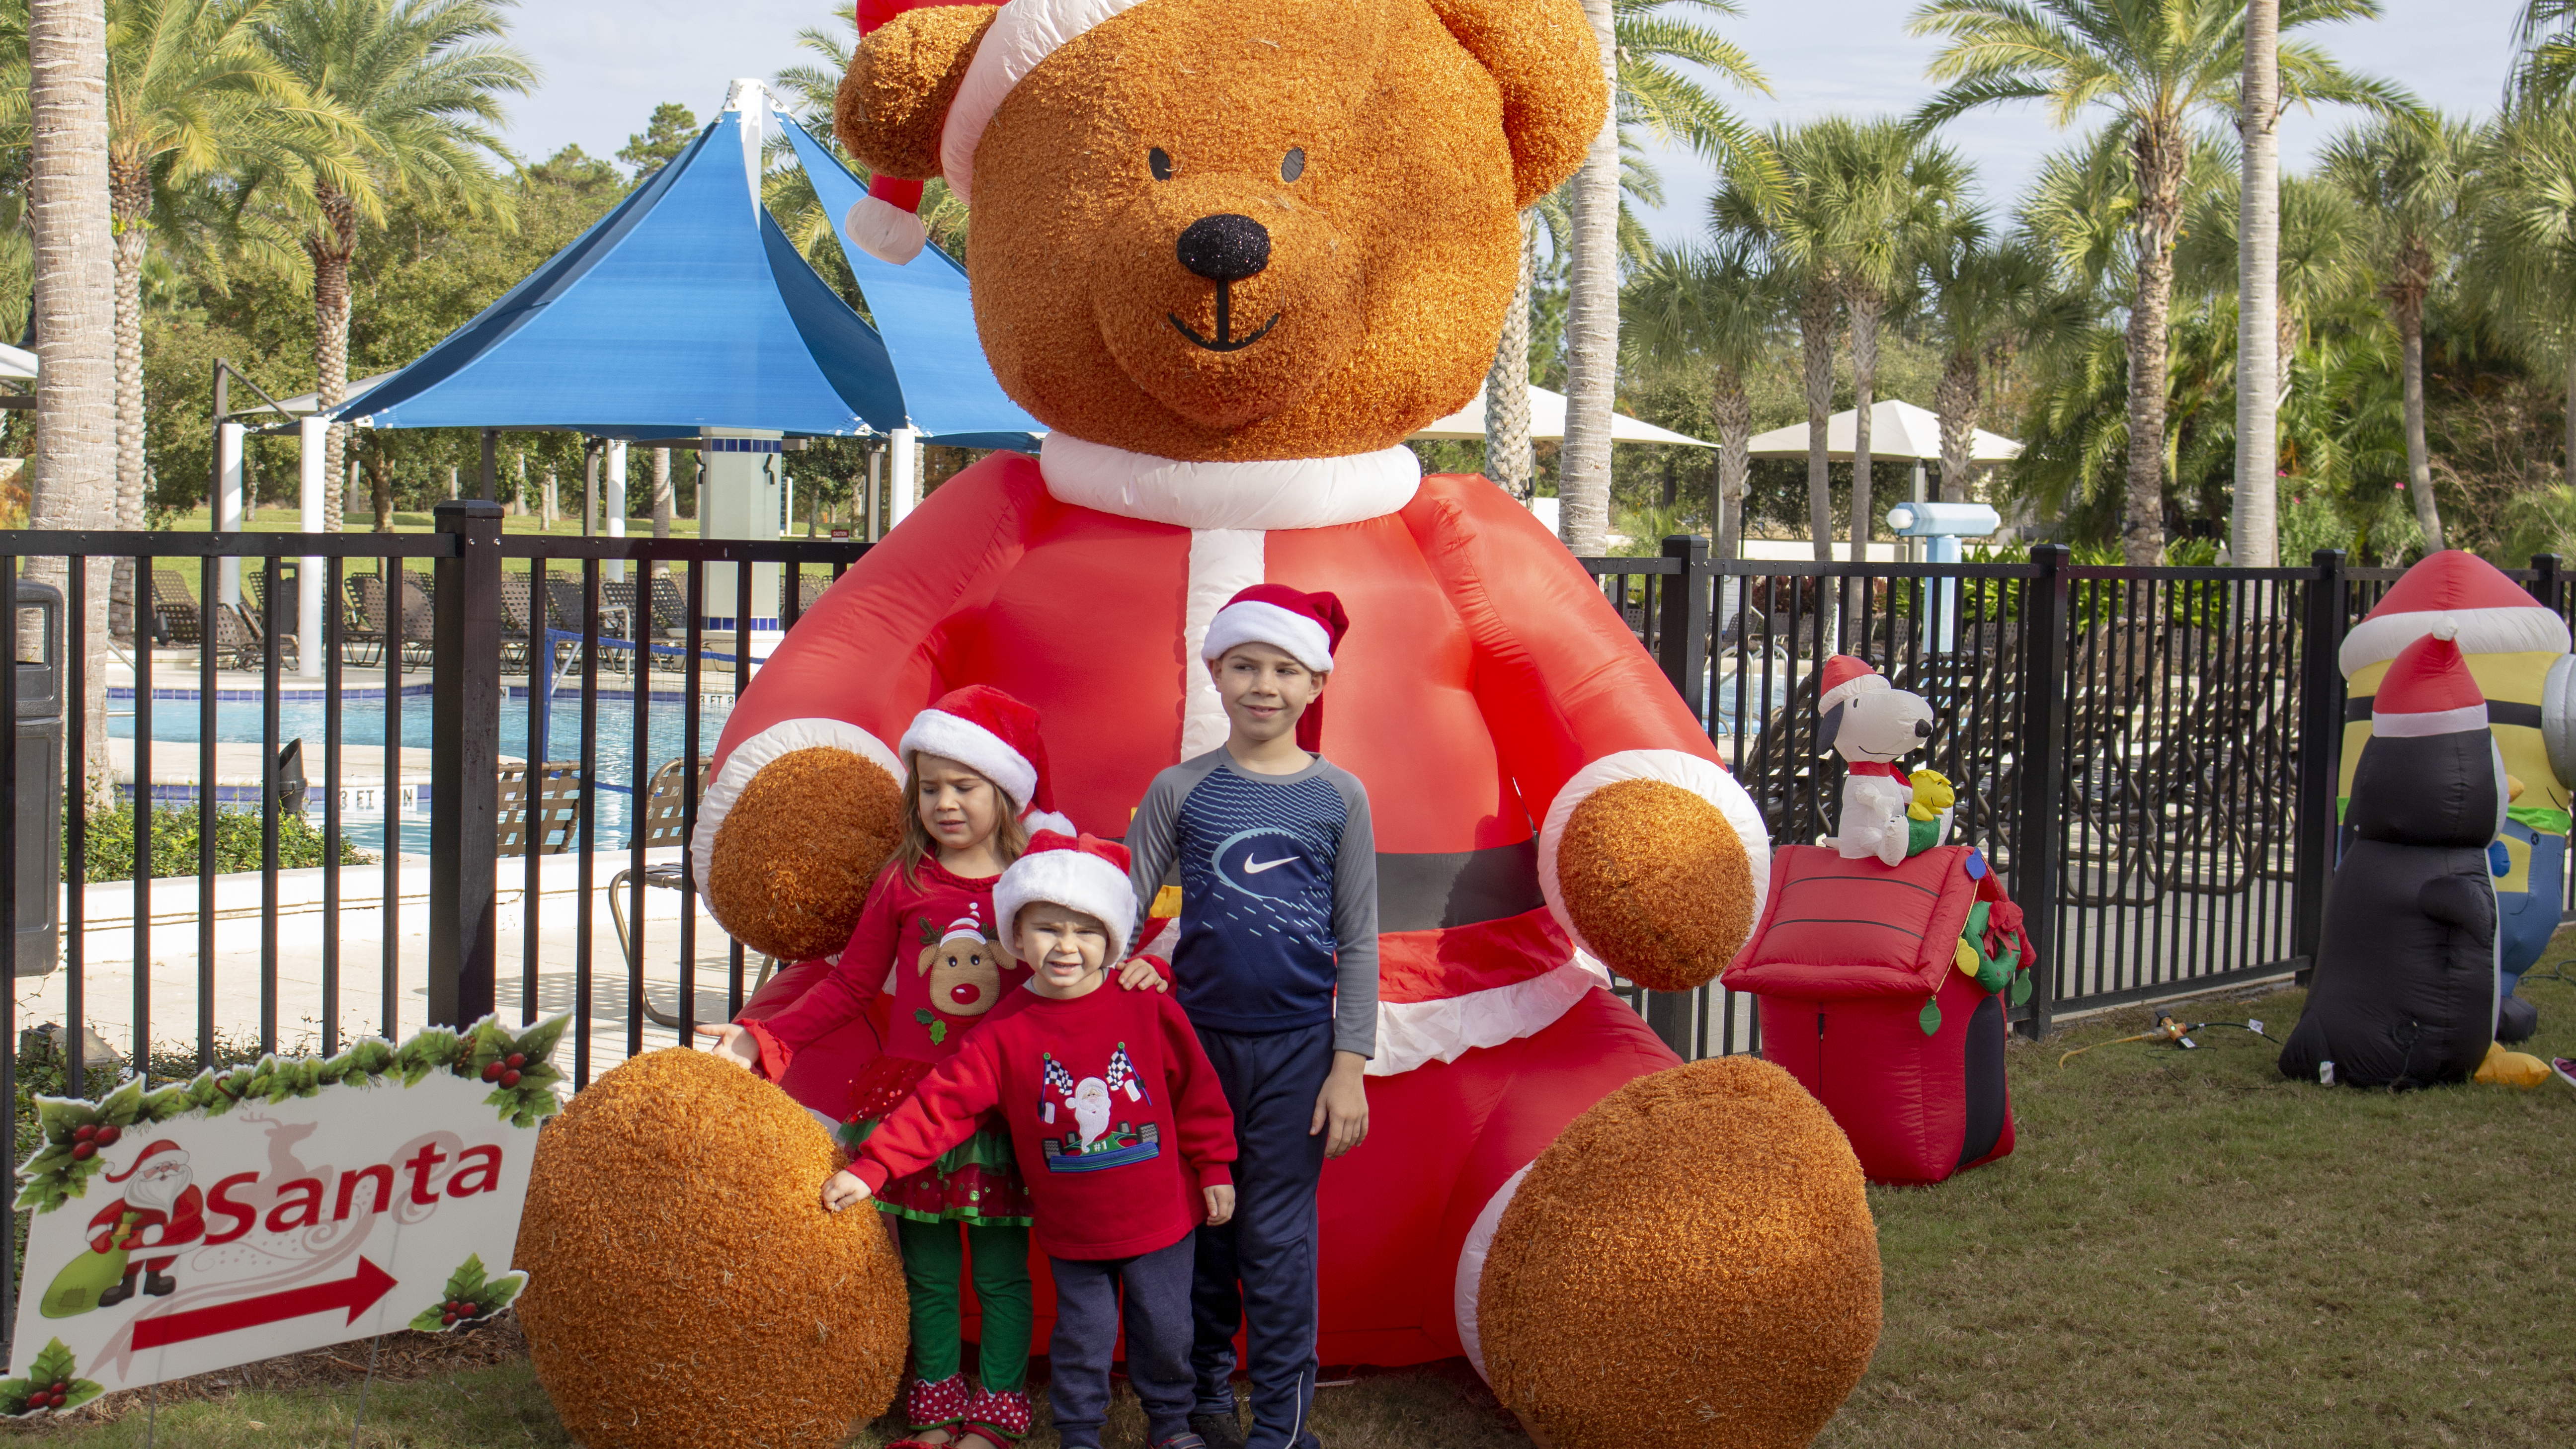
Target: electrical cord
[{"x": 2175, "y": 1030}]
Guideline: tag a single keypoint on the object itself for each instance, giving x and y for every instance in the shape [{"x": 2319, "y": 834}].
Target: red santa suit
[
  {"x": 150, "y": 1222},
  {"x": 1485, "y": 689}
]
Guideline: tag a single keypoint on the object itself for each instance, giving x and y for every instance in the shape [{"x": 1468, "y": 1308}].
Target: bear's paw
[{"x": 1658, "y": 883}]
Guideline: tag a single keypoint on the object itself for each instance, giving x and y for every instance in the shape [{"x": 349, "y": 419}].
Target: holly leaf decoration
[
  {"x": 2021, "y": 987},
  {"x": 1930, "y": 1020},
  {"x": 469, "y": 1297},
  {"x": 929, "y": 1018},
  {"x": 53, "y": 1384}
]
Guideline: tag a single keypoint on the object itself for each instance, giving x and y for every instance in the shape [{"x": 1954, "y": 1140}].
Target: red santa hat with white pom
[
  {"x": 1080, "y": 872},
  {"x": 2487, "y": 612},
  {"x": 2428, "y": 690},
  {"x": 1844, "y": 677},
  {"x": 996, "y": 736},
  {"x": 886, "y": 223},
  {"x": 1309, "y": 627}
]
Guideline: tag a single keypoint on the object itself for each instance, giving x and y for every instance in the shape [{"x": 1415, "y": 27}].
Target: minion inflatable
[{"x": 2517, "y": 652}]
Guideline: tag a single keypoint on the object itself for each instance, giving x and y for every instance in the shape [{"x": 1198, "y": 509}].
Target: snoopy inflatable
[{"x": 1872, "y": 725}]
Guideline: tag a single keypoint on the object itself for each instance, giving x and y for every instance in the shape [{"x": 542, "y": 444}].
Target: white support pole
[
  {"x": 876, "y": 467},
  {"x": 228, "y": 507},
  {"x": 616, "y": 568},
  {"x": 312, "y": 441},
  {"x": 904, "y": 454}
]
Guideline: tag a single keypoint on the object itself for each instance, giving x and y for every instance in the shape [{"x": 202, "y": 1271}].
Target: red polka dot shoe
[
  {"x": 934, "y": 1406},
  {"x": 1002, "y": 1418}
]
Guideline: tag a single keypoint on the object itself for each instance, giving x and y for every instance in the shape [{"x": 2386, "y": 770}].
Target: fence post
[
  {"x": 2320, "y": 754},
  {"x": 464, "y": 765},
  {"x": 2544, "y": 585},
  {"x": 1682, "y": 639},
  {"x": 2039, "y": 812}
]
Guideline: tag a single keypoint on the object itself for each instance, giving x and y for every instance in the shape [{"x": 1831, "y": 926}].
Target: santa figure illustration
[{"x": 160, "y": 1212}]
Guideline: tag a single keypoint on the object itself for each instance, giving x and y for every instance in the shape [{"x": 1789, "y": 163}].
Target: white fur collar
[{"x": 1281, "y": 493}]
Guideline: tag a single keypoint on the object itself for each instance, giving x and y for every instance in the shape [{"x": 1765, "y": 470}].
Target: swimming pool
[{"x": 362, "y": 723}]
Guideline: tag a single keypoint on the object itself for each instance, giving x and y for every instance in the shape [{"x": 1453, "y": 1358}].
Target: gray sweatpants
[{"x": 1158, "y": 1340}]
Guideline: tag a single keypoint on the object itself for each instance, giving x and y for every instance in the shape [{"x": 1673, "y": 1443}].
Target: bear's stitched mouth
[{"x": 1224, "y": 341}]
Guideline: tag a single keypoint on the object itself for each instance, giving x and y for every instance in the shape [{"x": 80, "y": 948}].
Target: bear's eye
[
  {"x": 1295, "y": 164},
  {"x": 1159, "y": 161}
]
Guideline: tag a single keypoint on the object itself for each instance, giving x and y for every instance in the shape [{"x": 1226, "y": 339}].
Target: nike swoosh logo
[{"x": 1256, "y": 867}]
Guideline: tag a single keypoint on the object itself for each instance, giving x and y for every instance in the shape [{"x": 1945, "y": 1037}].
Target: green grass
[{"x": 2185, "y": 1250}]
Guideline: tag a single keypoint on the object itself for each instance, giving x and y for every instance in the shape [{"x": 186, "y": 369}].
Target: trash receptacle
[{"x": 40, "y": 777}]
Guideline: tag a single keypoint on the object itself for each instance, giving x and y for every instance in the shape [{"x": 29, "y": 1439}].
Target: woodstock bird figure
[{"x": 1873, "y": 725}]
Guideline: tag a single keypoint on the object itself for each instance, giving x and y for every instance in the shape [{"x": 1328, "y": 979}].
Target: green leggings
[{"x": 934, "y": 1265}]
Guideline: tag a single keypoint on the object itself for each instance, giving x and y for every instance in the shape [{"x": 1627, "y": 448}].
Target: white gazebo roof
[
  {"x": 1898, "y": 430},
  {"x": 1547, "y": 423},
  {"x": 17, "y": 364}
]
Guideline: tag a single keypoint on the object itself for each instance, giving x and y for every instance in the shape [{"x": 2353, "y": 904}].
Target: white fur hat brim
[
  {"x": 1070, "y": 878},
  {"x": 1255, "y": 622},
  {"x": 936, "y": 732}
]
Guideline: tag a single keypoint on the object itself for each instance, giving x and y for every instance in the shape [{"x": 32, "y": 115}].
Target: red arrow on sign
[{"x": 357, "y": 1293}]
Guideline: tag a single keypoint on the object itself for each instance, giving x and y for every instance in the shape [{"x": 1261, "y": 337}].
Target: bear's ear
[
  {"x": 895, "y": 97},
  {"x": 1543, "y": 54}
]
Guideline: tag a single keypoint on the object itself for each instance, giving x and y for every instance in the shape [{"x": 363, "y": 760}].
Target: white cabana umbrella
[
  {"x": 1898, "y": 430},
  {"x": 1547, "y": 424},
  {"x": 17, "y": 364}
]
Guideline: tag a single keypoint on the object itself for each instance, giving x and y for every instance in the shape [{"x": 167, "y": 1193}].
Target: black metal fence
[{"x": 2147, "y": 755}]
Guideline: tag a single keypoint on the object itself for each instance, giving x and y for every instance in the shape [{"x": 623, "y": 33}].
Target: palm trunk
[
  {"x": 330, "y": 247},
  {"x": 130, "y": 206},
  {"x": 1731, "y": 409},
  {"x": 1957, "y": 399},
  {"x": 75, "y": 315},
  {"x": 1508, "y": 460},
  {"x": 1862, "y": 307},
  {"x": 1592, "y": 321},
  {"x": 2254, "y": 535},
  {"x": 380, "y": 491},
  {"x": 2419, "y": 460},
  {"x": 2159, "y": 153},
  {"x": 662, "y": 502},
  {"x": 2567, "y": 469},
  {"x": 1816, "y": 349}
]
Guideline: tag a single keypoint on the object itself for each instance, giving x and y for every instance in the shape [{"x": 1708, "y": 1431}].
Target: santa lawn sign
[{"x": 275, "y": 1208}]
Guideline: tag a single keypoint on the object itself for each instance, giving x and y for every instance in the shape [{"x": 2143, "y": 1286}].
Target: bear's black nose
[{"x": 1225, "y": 247}]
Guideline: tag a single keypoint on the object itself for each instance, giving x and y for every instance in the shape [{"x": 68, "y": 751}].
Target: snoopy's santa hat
[
  {"x": 2428, "y": 691},
  {"x": 1845, "y": 677},
  {"x": 1082, "y": 872},
  {"x": 886, "y": 223},
  {"x": 162, "y": 1150},
  {"x": 1308, "y": 626},
  {"x": 2489, "y": 613},
  {"x": 997, "y": 737}
]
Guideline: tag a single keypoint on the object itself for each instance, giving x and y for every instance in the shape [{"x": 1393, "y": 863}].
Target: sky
[{"x": 607, "y": 63}]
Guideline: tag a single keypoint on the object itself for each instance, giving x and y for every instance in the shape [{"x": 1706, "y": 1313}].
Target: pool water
[{"x": 362, "y": 722}]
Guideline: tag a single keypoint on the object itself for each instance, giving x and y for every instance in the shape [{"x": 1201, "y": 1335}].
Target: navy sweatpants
[
  {"x": 1258, "y": 1269},
  {"x": 1086, "y": 1329}
]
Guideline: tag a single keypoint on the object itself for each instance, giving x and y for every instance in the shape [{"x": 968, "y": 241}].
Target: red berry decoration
[
  {"x": 108, "y": 1134},
  {"x": 492, "y": 1071},
  {"x": 447, "y": 1319},
  {"x": 514, "y": 1061},
  {"x": 84, "y": 1151},
  {"x": 86, "y": 1131},
  {"x": 509, "y": 1079}
]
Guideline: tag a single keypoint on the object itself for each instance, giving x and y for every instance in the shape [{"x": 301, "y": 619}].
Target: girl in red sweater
[
  {"x": 976, "y": 771},
  {"x": 1119, "y": 1124}
]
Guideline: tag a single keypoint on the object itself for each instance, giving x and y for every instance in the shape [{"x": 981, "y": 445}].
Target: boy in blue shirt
[{"x": 1276, "y": 967}]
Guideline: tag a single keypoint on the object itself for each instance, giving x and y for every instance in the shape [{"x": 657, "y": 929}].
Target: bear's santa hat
[
  {"x": 2488, "y": 613},
  {"x": 886, "y": 223},
  {"x": 2428, "y": 691},
  {"x": 1844, "y": 677},
  {"x": 1308, "y": 626},
  {"x": 1081, "y": 872},
  {"x": 995, "y": 736}
]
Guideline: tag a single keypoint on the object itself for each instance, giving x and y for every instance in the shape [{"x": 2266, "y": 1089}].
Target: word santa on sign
[{"x": 275, "y": 1208}]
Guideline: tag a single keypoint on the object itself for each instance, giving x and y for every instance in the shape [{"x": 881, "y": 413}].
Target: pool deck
[{"x": 108, "y": 971}]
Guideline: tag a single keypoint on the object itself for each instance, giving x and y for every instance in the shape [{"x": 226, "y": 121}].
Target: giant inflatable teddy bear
[{"x": 1232, "y": 252}]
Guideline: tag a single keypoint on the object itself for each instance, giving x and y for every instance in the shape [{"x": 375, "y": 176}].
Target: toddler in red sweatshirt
[{"x": 1120, "y": 1127}]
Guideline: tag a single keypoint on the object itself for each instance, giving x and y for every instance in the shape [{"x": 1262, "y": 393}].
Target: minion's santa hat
[
  {"x": 887, "y": 223},
  {"x": 2428, "y": 691},
  {"x": 1080, "y": 872},
  {"x": 2487, "y": 612},
  {"x": 161, "y": 1151},
  {"x": 1309, "y": 627},
  {"x": 1843, "y": 678},
  {"x": 996, "y": 736}
]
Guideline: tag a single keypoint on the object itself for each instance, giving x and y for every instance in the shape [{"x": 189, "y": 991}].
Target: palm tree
[
  {"x": 75, "y": 301},
  {"x": 419, "y": 84},
  {"x": 1722, "y": 309},
  {"x": 1764, "y": 216},
  {"x": 2546, "y": 34},
  {"x": 1639, "y": 40},
  {"x": 1508, "y": 460},
  {"x": 2526, "y": 238},
  {"x": 2410, "y": 179},
  {"x": 2155, "y": 66},
  {"x": 2253, "y": 514},
  {"x": 1880, "y": 195},
  {"x": 1984, "y": 302}
]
